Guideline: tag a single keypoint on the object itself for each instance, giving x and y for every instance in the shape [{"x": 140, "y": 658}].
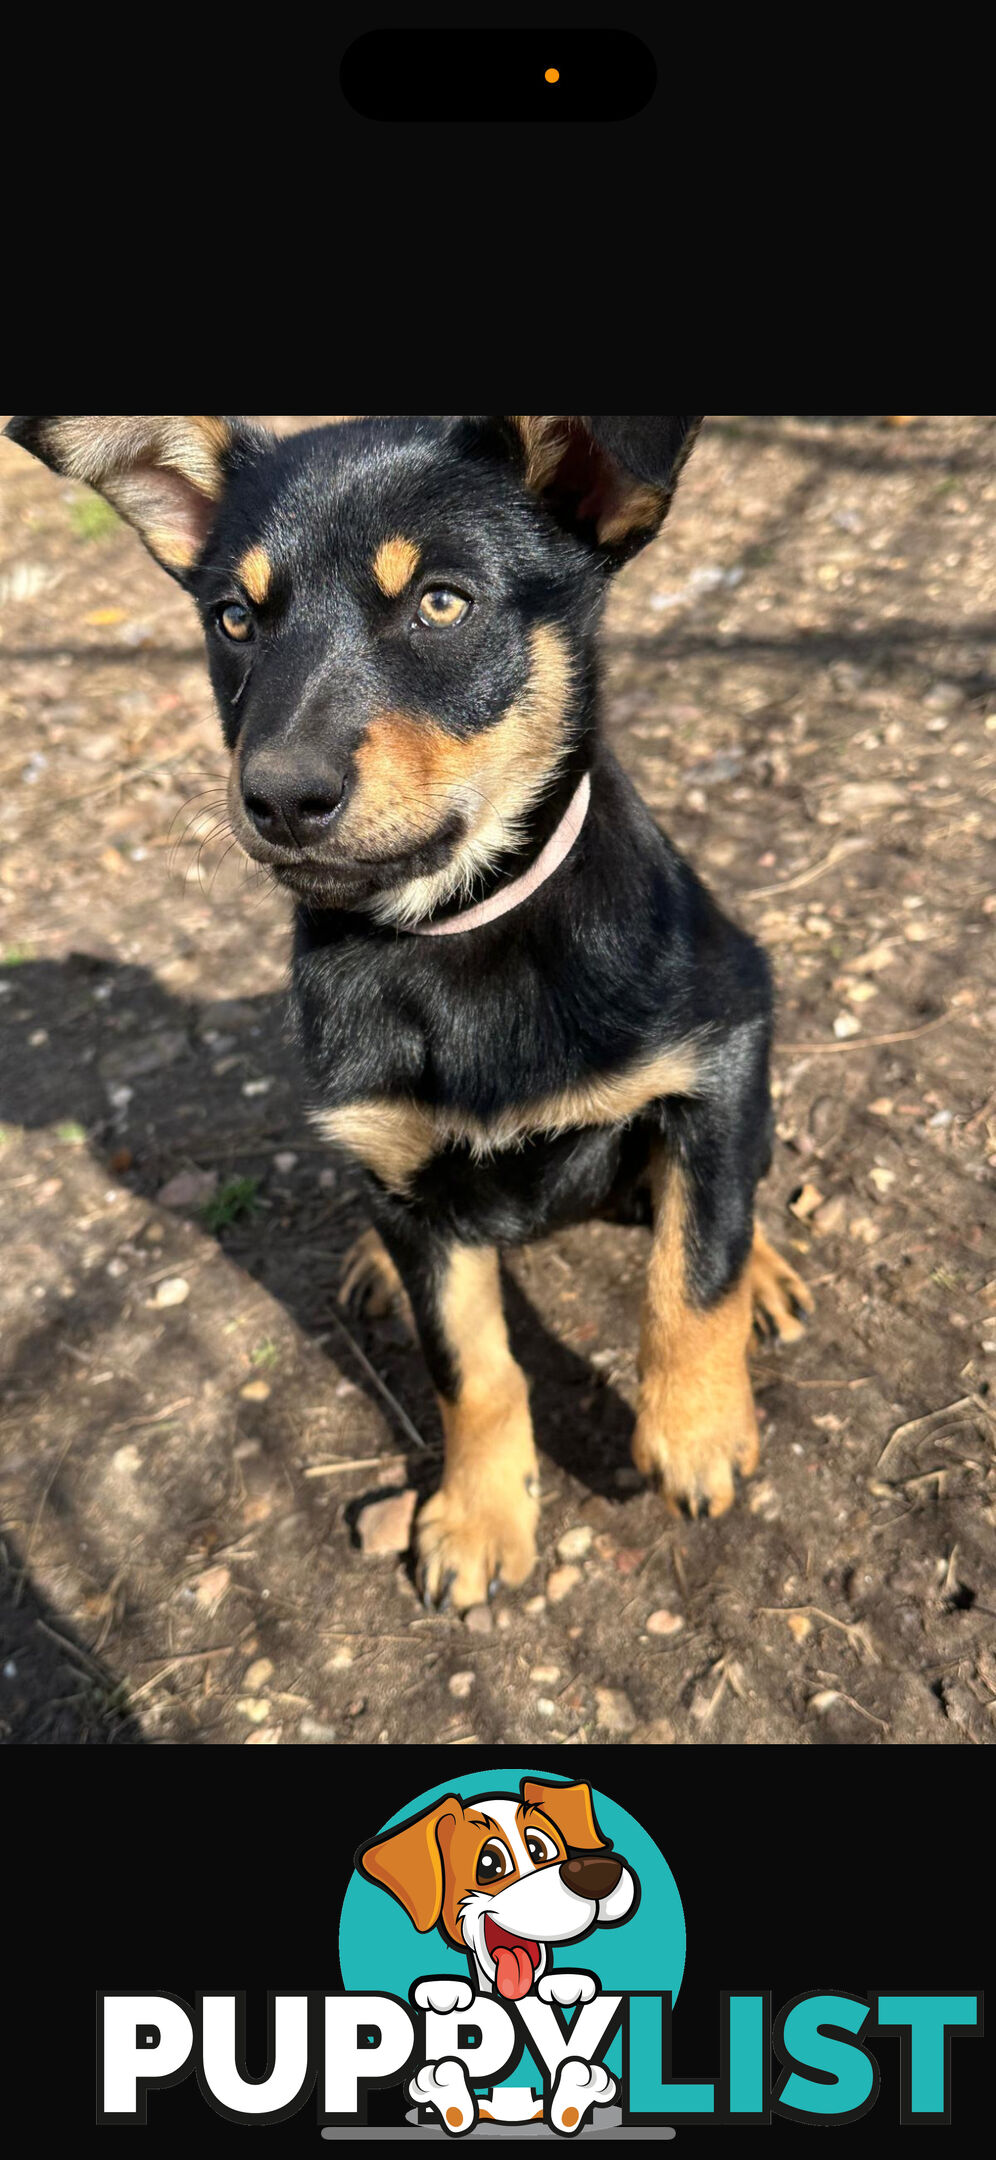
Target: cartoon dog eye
[
  {"x": 540, "y": 1847},
  {"x": 494, "y": 1862}
]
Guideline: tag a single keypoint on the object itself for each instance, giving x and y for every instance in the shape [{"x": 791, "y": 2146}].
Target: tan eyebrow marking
[
  {"x": 394, "y": 565},
  {"x": 255, "y": 572}
]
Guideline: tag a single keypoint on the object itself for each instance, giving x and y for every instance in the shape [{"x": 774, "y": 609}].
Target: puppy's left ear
[
  {"x": 164, "y": 472},
  {"x": 571, "y": 1810},
  {"x": 611, "y": 478}
]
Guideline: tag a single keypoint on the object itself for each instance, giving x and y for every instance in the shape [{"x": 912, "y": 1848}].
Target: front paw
[
  {"x": 690, "y": 1442},
  {"x": 566, "y": 1988},
  {"x": 470, "y": 1537},
  {"x": 445, "y": 1994},
  {"x": 443, "y": 2087},
  {"x": 579, "y": 2087}
]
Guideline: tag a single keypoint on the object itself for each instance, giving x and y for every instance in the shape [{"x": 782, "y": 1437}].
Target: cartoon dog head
[{"x": 503, "y": 1878}]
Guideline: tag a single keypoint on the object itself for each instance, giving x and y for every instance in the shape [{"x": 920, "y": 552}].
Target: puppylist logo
[{"x": 511, "y": 1952}]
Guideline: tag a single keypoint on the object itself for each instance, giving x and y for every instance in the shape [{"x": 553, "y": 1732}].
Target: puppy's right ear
[
  {"x": 165, "y": 472},
  {"x": 409, "y": 1862}
]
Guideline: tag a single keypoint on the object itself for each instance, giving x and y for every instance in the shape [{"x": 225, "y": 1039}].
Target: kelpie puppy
[{"x": 517, "y": 1005}]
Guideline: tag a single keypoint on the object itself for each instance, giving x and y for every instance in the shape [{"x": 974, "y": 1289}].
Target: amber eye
[
  {"x": 441, "y": 608},
  {"x": 493, "y": 1863},
  {"x": 235, "y": 622}
]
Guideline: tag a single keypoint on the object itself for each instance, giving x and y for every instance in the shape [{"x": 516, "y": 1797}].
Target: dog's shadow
[{"x": 161, "y": 1085}]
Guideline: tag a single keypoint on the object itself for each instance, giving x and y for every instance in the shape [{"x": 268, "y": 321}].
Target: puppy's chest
[
  {"x": 399, "y": 1079},
  {"x": 396, "y": 1135}
]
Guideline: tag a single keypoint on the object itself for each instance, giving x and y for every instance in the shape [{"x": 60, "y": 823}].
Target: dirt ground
[{"x": 798, "y": 674}]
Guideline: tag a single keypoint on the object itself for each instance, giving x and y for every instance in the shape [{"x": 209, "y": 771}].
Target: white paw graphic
[
  {"x": 443, "y": 2086},
  {"x": 566, "y": 1988},
  {"x": 580, "y": 2086},
  {"x": 444, "y": 1994}
]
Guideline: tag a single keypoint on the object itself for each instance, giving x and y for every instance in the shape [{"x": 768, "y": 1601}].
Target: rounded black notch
[{"x": 500, "y": 75}]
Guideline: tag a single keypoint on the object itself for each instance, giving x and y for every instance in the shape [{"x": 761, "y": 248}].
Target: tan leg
[
  {"x": 696, "y": 1422},
  {"x": 369, "y": 1279},
  {"x": 776, "y": 1292},
  {"x": 481, "y": 1524}
]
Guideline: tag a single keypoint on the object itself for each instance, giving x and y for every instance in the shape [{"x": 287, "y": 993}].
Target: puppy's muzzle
[{"x": 592, "y": 1875}]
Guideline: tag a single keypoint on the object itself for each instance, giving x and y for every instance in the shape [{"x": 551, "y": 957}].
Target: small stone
[
  {"x": 545, "y": 1675},
  {"x": 254, "y": 1708},
  {"x": 830, "y": 1217},
  {"x": 944, "y": 697},
  {"x": 210, "y": 1587},
  {"x": 799, "y": 1626},
  {"x": 574, "y": 1543},
  {"x": 285, "y": 1162},
  {"x": 480, "y": 1620},
  {"x": 385, "y": 1526},
  {"x": 174, "y": 1291},
  {"x": 561, "y": 1582},
  {"x": 614, "y": 1711},
  {"x": 846, "y": 1025},
  {"x": 189, "y": 1189},
  {"x": 258, "y": 1674},
  {"x": 255, "y": 1391},
  {"x": 806, "y": 1201},
  {"x": 858, "y": 795},
  {"x": 664, "y": 1623},
  {"x": 252, "y": 1088},
  {"x": 883, "y": 1106},
  {"x": 546, "y": 1707},
  {"x": 461, "y": 1684},
  {"x": 311, "y": 1729},
  {"x": 127, "y": 1460},
  {"x": 534, "y": 1606}
]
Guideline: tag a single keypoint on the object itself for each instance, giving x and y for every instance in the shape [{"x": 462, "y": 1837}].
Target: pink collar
[{"x": 549, "y": 859}]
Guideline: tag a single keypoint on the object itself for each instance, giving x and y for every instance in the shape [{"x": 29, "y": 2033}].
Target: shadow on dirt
[
  {"x": 54, "y": 1691},
  {"x": 107, "y": 1050}
]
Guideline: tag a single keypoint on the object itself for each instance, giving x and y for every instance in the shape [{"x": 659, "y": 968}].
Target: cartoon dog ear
[
  {"x": 570, "y": 1809},
  {"x": 612, "y": 478},
  {"x": 409, "y": 1863},
  {"x": 164, "y": 472}
]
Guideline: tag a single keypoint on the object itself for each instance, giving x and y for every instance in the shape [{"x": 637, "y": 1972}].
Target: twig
[
  {"x": 805, "y": 877},
  {"x": 858, "y": 1042},
  {"x": 359, "y": 1462},
  {"x": 372, "y": 1374},
  {"x": 855, "y": 1634}
]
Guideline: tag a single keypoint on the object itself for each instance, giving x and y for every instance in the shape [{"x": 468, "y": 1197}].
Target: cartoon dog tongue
[{"x": 513, "y": 1971}]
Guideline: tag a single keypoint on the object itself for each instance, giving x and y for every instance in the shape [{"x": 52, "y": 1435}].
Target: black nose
[
  {"x": 289, "y": 803},
  {"x": 591, "y": 1875}
]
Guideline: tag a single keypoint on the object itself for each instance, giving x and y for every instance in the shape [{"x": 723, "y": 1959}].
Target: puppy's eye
[
  {"x": 235, "y": 622},
  {"x": 540, "y": 1848},
  {"x": 440, "y": 608},
  {"x": 493, "y": 1864}
]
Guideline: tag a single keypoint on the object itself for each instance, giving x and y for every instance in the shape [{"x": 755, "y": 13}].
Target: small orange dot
[{"x": 552, "y": 75}]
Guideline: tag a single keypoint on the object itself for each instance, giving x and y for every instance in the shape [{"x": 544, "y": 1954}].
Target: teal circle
[{"x": 380, "y": 1952}]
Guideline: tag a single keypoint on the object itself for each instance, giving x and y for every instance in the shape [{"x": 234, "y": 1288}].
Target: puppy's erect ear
[
  {"x": 570, "y": 1809},
  {"x": 409, "y": 1862},
  {"x": 165, "y": 472},
  {"x": 612, "y": 478}
]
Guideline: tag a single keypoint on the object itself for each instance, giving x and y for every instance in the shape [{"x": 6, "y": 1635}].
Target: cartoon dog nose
[
  {"x": 287, "y": 802},
  {"x": 593, "y": 1875}
]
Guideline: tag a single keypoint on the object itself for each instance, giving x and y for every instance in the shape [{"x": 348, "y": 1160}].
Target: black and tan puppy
[{"x": 517, "y": 1005}]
